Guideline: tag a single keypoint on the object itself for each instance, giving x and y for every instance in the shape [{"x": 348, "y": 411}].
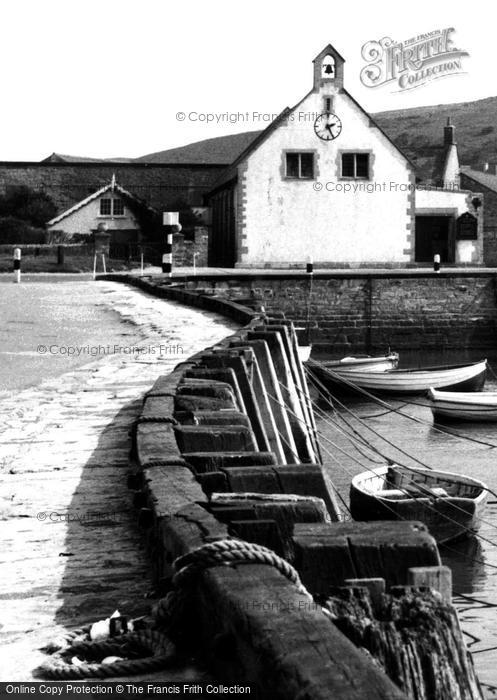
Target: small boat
[
  {"x": 466, "y": 406},
  {"x": 363, "y": 362},
  {"x": 449, "y": 504},
  {"x": 407, "y": 381}
]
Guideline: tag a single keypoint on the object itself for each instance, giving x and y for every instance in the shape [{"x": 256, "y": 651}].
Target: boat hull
[
  {"x": 461, "y": 406},
  {"x": 447, "y": 518},
  {"x": 456, "y": 378}
]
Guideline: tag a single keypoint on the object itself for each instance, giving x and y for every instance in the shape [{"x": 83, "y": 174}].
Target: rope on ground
[{"x": 168, "y": 613}]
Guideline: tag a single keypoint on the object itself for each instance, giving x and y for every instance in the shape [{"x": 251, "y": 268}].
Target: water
[
  {"x": 472, "y": 560},
  {"x": 47, "y": 327}
]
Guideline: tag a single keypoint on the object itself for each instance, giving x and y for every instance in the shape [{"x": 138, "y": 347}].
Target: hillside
[
  {"x": 419, "y": 131},
  {"x": 221, "y": 149}
]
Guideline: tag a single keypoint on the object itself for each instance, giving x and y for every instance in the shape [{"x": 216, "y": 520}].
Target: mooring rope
[
  {"x": 424, "y": 491},
  {"x": 340, "y": 379},
  {"x": 169, "y": 611}
]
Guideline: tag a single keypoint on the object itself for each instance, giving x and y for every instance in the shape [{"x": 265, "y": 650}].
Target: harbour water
[{"x": 464, "y": 448}]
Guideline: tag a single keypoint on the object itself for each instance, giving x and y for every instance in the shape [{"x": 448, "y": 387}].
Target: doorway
[{"x": 434, "y": 235}]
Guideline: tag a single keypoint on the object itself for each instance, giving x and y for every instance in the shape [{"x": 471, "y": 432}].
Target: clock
[{"x": 327, "y": 126}]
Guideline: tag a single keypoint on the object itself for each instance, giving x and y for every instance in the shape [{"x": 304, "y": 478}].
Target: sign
[
  {"x": 467, "y": 227},
  {"x": 101, "y": 240}
]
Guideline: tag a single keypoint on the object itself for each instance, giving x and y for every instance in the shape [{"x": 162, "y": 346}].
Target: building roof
[
  {"x": 221, "y": 150},
  {"x": 111, "y": 187},
  {"x": 61, "y": 158},
  {"x": 486, "y": 179}
]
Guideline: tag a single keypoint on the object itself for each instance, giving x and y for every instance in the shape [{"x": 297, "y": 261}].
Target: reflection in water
[{"x": 466, "y": 558}]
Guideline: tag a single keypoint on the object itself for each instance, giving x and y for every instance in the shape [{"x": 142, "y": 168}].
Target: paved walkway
[{"x": 70, "y": 550}]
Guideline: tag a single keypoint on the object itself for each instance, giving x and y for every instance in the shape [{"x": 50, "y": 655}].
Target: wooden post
[{"x": 438, "y": 578}]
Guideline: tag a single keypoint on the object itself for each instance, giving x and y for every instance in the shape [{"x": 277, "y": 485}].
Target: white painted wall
[
  {"x": 288, "y": 220},
  {"x": 87, "y": 218},
  {"x": 429, "y": 201}
]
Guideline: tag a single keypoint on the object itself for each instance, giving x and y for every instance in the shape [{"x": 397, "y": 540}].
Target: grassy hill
[{"x": 419, "y": 130}]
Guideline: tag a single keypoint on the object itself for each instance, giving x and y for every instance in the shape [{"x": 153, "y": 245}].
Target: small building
[
  {"x": 483, "y": 178},
  {"x": 111, "y": 204},
  {"x": 324, "y": 181}
]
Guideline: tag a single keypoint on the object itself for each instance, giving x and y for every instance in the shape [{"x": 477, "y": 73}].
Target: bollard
[
  {"x": 170, "y": 222},
  {"x": 310, "y": 265},
  {"x": 17, "y": 265},
  {"x": 436, "y": 263}
]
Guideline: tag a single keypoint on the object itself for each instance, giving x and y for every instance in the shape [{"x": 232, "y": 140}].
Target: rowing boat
[
  {"x": 365, "y": 363},
  {"x": 407, "y": 381},
  {"x": 465, "y": 406},
  {"x": 449, "y": 504}
]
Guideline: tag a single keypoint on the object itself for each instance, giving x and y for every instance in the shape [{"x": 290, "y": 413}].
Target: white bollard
[
  {"x": 170, "y": 223},
  {"x": 17, "y": 265},
  {"x": 436, "y": 263}
]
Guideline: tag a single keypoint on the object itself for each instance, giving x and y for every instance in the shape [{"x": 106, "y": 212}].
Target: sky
[{"x": 108, "y": 78}]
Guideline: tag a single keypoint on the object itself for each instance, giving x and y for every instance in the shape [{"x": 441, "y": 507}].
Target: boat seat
[{"x": 391, "y": 493}]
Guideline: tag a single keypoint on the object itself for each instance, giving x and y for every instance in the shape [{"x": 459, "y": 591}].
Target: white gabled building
[
  {"x": 111, "y": 204},
  {"x": 323, "y": 181}
]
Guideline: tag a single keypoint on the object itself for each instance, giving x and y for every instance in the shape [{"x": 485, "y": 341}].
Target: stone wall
[
  {"x": 371, "y": 312},
  {"x": 185, "y": 247},
  {"x": 161, "y": 186}
]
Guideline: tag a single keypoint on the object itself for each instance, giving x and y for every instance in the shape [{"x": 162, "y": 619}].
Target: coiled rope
[{"x": 154, "y": 646}]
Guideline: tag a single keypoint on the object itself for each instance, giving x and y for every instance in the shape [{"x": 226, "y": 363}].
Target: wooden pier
[{"x": 226, "y": 450}]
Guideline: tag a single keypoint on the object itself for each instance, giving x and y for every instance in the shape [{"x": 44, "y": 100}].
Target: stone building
[
  {"x": 483, "y": 178},
  {"x": 324, "y": 181}
]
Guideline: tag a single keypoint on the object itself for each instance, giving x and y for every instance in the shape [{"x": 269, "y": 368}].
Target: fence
[{"x": 78, "y": 257}]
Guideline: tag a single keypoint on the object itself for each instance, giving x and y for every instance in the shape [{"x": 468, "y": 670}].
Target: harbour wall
[
  {"x": 226, "y": 463},
  {"x": 373, "y": 311}
]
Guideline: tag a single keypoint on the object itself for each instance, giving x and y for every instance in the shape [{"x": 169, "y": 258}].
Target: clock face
[{"x": 328, "y": 126}]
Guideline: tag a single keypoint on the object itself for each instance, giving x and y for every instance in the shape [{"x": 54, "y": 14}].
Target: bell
[{"x": 328, "y": 69}]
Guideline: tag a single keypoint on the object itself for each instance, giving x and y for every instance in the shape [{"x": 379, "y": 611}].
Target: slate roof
[
  {"x": 62, "y": 158},
  {"x": 485, "y": 179}
]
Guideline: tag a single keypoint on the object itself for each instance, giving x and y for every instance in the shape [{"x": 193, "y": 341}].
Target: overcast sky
[{"x": 106, "y": 78}]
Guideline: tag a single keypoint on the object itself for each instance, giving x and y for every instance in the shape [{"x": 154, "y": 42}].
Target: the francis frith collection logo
[{"x": 412, "y": 63}]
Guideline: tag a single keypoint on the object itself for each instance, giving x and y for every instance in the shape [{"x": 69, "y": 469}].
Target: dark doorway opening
[{"x": 434, "y": 236}]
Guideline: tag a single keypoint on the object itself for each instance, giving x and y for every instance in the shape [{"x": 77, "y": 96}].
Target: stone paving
[{"x": 70, "y": 549}]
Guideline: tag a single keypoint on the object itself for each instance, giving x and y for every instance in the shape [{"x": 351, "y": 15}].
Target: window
[
  {"x": 328, "y": 107},
  {"x": 111, "y": 207},
  {"x": 355, "y": 165},
  {"x": 105, "y": 207},
  {"x": 300, "y": 166},
  {"x": 118, "y": 207}
]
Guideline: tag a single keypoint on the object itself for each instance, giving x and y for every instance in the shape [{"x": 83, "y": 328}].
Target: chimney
[{"x": 449, "y": 134}]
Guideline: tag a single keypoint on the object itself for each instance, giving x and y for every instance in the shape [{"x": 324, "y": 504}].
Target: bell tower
[{"x": 328, "y": 69}]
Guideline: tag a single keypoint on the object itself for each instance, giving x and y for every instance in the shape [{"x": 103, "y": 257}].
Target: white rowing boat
[
  {"x": 451, "y": 505},
  {"x": 466, "y": 406},
  {"x": 407, "y": 381},
  {"x": 364, "y": 363}
]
